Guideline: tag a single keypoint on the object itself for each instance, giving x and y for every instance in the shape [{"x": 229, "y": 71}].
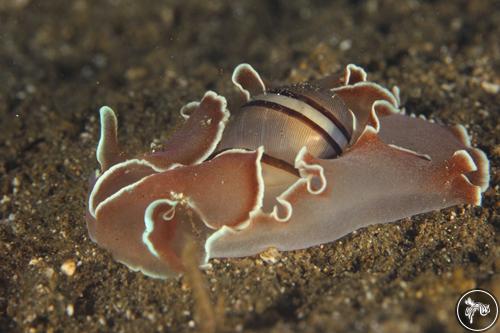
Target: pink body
[{"x": 294, "y": 167}]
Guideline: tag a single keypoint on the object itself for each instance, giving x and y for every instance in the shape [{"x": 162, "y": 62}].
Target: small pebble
[
  {"x": 35, "y": 261},
  {"x": 5, "y": 199},
  {"x": 490, "y": 88},
  {"x": 345, "y": 45},
  {"x": 68, "y": 267},
  {"x": 70, "y": 310},
  {"x": 271, "y": 255}
]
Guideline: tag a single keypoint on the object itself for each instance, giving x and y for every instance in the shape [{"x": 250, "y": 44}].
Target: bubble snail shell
[{"x": 294, "y": 167}]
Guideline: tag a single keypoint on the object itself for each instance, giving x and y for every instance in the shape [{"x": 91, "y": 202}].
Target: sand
[{"x": 61, "y": 60}]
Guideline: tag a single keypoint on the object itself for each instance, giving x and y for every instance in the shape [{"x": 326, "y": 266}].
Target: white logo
[
  {"x": 477, "y": 310},
  {"x": 472, "y": 307}
]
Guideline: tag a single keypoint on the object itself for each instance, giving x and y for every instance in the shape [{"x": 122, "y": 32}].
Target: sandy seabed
[{"x": 61, "y": 60}]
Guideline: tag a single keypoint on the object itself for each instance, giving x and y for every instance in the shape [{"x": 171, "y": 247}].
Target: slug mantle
[{"x": 293, "y": 167}]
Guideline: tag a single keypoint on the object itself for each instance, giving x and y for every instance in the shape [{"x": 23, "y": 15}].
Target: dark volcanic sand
[{"x": 61, "y": 60}]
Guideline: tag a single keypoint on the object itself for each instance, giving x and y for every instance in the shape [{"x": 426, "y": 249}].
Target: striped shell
[{"x": 285, "y": 119}]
